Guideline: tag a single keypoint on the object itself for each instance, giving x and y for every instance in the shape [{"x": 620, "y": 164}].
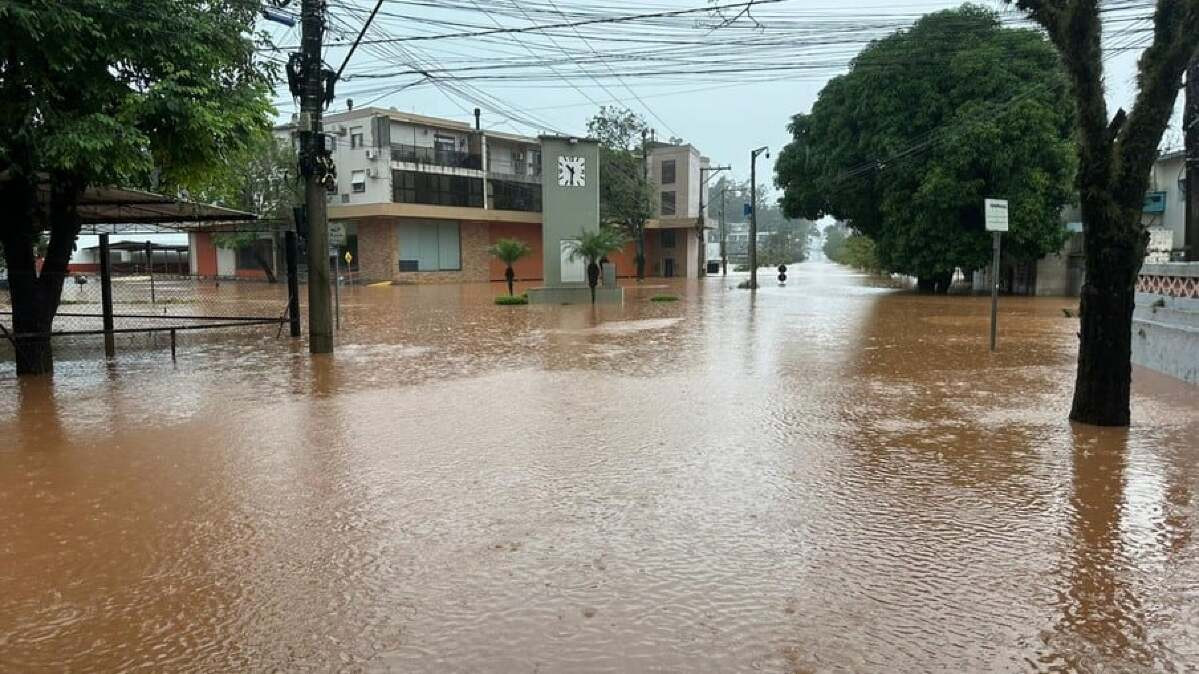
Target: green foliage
[
  {"x": 261, "y": 178},
  {"x": 929, "y": 122},
  {"x": 113, "y": 91},
  {"x": 626, "y": 195},
  {"x": 834, "y": 242},
  {"x": 512, "y": 300},
  {"x": 509, "y": 251},
  {"x": 664, "y": 298},
  {"x": 860, "y": 254},
  {"x": 593, "y": 245},
  {"x": 616, "y": 128}
]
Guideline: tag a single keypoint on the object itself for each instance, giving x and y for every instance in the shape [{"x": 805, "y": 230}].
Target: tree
[
  {"x": 626, "y": 195},
  {"x": 1115, "y": 158},
  {"x": 103, "y": 92},
  {"x": 509, "y": 251},
  {"x": 261, "y": 179},
  {"x": 926, "y": 124},
  {"x": 834, "y": 242},
  {"x": 594, "y": 246}
]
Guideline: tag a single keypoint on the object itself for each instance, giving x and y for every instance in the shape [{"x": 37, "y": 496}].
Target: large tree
[
  {"x": 926, "y": 124},
  {"x": 110, "y": 92},
  {"x": 1115, "y": 158},
  {"x": 626, "y": 195}
]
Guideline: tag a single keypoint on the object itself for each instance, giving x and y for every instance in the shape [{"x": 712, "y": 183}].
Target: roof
[
  {"x": 139, "y": 247},
  {"x": 116, "y": 205}
]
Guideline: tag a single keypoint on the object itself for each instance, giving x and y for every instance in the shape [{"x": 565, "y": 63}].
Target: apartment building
[
  {"x": 421, "y": 198},
  {"x": 672, "y": 247}
]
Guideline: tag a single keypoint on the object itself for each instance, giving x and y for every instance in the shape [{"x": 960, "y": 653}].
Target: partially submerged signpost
[{"x": 996, "y": 218}]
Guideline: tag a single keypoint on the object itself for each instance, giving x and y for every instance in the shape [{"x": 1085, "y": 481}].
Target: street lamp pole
[
  {"x": 753, "y": 214},
  {"x": 699, "y": 224}
]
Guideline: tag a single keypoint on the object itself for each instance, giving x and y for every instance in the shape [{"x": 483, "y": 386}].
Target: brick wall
[{"x": 378, "y": 258}]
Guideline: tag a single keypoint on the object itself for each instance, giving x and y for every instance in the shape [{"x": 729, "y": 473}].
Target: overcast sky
[{"x": 723, "y": 88}]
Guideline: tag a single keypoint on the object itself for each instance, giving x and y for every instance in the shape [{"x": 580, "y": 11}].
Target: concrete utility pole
[
  {"x": 724, "y": 255},
  {"x": 699, "y": 224},
  {"x": 315, "y": 166},
  {"x": 1190, "y": 126},
  {"x": 753, "y": 214}
]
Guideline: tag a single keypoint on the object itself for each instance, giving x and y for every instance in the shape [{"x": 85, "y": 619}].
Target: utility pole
[
  {"x": 1190, "y": 130},
  {"x": 639, "y": 247},
  {"x": 724, "y": 256},
  {"x": 753, "y": 214},
  {"x": 699, "y": 223},
  {"x": 315, "y": 166}
]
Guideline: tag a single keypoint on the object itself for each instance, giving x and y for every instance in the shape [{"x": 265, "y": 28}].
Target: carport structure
[{"x": 141, "y": 303}]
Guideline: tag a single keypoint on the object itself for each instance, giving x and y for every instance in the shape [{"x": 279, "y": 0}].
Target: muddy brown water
[{"x": 833, "y": 476}]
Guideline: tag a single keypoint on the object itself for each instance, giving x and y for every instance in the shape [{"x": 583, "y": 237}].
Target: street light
[{"x": 753, "y": 214}]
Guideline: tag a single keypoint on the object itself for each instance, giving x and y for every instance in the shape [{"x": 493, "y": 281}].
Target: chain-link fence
[{"x": 148, "y": 306}]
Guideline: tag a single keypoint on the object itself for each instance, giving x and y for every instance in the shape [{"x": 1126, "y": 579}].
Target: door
[{"x": 668, "y": 267}]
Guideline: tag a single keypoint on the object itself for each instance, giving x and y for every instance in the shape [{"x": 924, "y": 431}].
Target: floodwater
[{"x": 830, "y": 477}]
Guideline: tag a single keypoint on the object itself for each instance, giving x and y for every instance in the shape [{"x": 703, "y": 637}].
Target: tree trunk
[
  {"x": 639, "y": 254},
  {"x": 942, "y": 282},
  {"x": 925, "y": 284},
  {"x": 509, "y": 276},
  {"x": 593, "y": 272},
  {"x": 265, "y": 264},
  {"x": 1104, "y": 376},
  {"x": 35, "y": 297}
]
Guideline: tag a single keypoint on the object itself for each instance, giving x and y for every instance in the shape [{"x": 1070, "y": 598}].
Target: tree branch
[{"x": 1176, "y": 25}]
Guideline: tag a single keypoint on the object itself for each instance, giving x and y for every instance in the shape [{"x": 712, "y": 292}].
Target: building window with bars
[
  {"x": 668, "y": 172},
  {"x": 355, "y": 137},
  {"x": 358, "y": 181},
  {"x": 667, "y": 202}
]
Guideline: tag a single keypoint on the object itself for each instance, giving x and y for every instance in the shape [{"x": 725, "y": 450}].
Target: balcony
[
  {"x": 436, "y": 157},
  {"x": 517, "y": 169}
]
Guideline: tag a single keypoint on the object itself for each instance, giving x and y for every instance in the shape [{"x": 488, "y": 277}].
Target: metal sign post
[
  {"x": 996, "y": 216},
  {"x": 336, "y": 289}
]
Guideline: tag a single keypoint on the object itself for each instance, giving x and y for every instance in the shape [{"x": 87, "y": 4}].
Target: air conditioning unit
[
  {"x": 372, "y": 154},
  {"x": 372, "y": 173},
  {"x": 341, "y": 131}
]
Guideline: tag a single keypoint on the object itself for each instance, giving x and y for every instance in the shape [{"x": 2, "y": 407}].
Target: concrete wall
[
  {"x": 1165, "y": 324},
  {"x": 1164, "y": 178},
  {"x": 566, "y": 211}
]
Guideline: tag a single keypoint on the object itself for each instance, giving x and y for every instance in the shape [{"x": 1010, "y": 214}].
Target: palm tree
[
  {"x": 594, "y": 246},
  {"x": 509, "y": 251}
]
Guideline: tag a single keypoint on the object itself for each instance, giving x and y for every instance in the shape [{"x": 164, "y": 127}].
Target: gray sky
[{"x": 724, "y": 88}]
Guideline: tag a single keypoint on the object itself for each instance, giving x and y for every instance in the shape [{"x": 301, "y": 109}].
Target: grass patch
[
  {"x": 664, "y": 298},
  {"x": 512, "y": 300}
]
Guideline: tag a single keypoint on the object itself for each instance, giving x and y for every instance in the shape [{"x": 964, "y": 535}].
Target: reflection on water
[{"x": 829, "y": 476}]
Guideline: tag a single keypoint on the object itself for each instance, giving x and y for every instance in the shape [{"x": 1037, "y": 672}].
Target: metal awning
[{"x": 119, "y": 210}]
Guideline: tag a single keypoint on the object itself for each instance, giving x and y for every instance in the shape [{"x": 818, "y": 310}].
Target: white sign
[
  {"x": 337, "y": 234},
  {"x": 573, "y": 271},
  {"x": 995, "y": 214}
]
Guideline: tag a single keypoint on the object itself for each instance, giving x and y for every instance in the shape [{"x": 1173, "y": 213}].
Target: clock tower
[{"x": 569, "y": 206}]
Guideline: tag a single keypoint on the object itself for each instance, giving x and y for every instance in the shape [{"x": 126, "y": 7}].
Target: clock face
[{"x": 572, "y": 171}]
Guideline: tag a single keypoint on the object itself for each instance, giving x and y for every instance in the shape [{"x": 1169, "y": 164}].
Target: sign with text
[
  {"x": 337, "y": 234},
  {"x": 995, "y": 214}
]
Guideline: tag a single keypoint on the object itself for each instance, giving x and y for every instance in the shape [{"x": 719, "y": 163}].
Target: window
[
  {"x": 668, "y": 238},
  {"x": 358, "y": 181},
  {"x": 355, "y": 137},
  {"x": 429, "y": 246},
  {"x": 668, "y": 172},
  {"x": 414, "y": 187},
  {"x": 515, "y": 196},
  {"x": 668, "y": 203}
]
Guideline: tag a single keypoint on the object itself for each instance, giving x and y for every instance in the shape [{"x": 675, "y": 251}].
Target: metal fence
[{"x": 96, "y": 309}]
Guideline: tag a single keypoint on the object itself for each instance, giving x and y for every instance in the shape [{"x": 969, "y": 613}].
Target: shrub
[
  {"x": 512, "y": 299},
  {"x": 664, "y": 298}
]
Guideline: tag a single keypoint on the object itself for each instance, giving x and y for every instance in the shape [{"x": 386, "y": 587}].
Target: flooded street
[{"x": 831, "y": 476}]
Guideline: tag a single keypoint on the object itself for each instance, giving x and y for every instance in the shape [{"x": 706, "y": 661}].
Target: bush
[
  {"x": 664, "y": 298},
  {"x": 512, "y": 299}
]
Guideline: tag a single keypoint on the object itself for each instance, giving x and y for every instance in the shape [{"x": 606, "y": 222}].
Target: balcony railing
[
  {"x": 516, "y": 168},
  {"x": 435, "y": 157}
]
